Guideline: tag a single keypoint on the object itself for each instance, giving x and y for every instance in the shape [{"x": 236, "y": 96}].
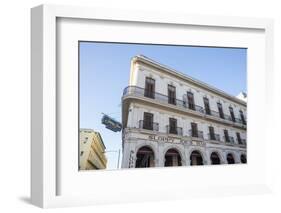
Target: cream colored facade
[
  {"x": 92, "y": 150},
  {"x": 155, "y": 145}
]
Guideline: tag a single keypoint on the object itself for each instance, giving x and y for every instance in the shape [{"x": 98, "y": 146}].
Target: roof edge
[{"x": 185, "y": 77}]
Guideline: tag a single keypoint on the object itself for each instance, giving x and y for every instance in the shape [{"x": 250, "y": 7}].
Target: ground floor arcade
[{"x": 141, "y": 153}]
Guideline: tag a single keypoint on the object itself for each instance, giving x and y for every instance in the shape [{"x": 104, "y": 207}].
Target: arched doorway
[
  {"x": 243, "y": 158},
  {"x": 145, "y": 157},
  {"x": 230, "y": 159},
  {"x": 215, "y": 160},
  {"x": 172, "y": 158},
  {"x": 196, "y": 158}
]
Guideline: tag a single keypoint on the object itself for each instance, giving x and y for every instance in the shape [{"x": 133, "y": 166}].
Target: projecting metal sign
[{"x": 111, "y": 124}]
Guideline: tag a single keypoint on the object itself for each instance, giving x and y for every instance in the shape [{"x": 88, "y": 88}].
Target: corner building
[
  {"x": 171, "y": 119},
  {"x": 92, "y": 150}
]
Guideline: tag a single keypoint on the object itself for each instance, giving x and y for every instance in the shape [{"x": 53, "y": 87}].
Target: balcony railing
[
  {"x": 244, "y": 141},
  {"x": 193, "y": 107},
  {"x": 141, "y": 92},
  {"x": 174, "y": 130},
  {"x": 241, "y": 141},
  {"x": 233, "y": 119},
  {"x": 138, "y": 91},
  {"x": 228, "y": 139},
  {"x": 238, "y": 120},
  {"x": 148, "y": 125},
  {"x": 196, "y": 134},
  {"x": 214, "y": 137},
  {"x": 218, "y": 115}
]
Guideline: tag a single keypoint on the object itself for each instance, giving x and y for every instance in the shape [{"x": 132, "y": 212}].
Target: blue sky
[{"x": 105, "y": 69}]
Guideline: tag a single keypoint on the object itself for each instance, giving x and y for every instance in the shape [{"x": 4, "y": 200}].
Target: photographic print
[{"x": 151, "y": 105}]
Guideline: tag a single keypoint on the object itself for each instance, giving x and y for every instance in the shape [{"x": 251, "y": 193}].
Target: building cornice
[{"x": 184, "y": 77}]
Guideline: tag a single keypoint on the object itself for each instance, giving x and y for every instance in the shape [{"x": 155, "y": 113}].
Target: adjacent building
[
  {"x": 171, "y": 119},
  {"x": 92, "y": 150}
]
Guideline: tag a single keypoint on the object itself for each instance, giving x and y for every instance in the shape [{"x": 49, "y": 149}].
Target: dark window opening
[
  {"x": 207, "y": 106},
  {"x": 173, "y": 125},
  {"x": 147, "y": 121},
  {"x": 230, "y": 159},
  {"x": 196, "y": 158},
  {"x": 232, "y": 114},
  {"x": 226, "y": 136},
  {"x": 220, "y": 110},
  {"x": 149, "y": 88},
  {"x": 145, "y": 158},
  {"x": 215, "y": 160},
  {"x": 212, "y": 133},
  {"x": 171, "y": 94},
  {"x": 238, "y": 138},
  {"x": 190, "y": 100},
  {"x": 243, "y": 158},
  {"x": 172, "y": 158},
  {"x": 194, "y": 130},
  {"x": 242, "y": 117}
]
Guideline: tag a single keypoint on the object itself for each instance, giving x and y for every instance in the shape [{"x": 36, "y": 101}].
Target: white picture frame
[{"x": 45, "y": 174}]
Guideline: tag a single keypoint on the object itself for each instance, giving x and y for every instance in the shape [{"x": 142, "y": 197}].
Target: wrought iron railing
[
  {"x": 194, "y": 107},
  {"x": 192, "y": 133},
  {"x": 231, "y": 140},
  {"x": 196, "y": 134},
  {"x": 238, "y": 120},
  {"x": 228, "y": 139},
  {"x": 214, "y": 137},
  {"x": 241, "y": 141},
  {"x": 174, "y": 130},
  {"x": 208, "y": 111},
  {"x": 138, "y": 91},
  {"x": 148, "y": 125},
  {"x": 141, "y": 92}
]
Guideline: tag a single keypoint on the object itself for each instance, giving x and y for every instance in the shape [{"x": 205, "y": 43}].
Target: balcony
[
  {"x": 196, "y": 134},
  {"x": 193, "y": 107},
  {"x": 214, "y": 137},
  {"x": 232, "y": 118},
  {"x": 174, "y": 130},
  {"x": 241, "y": 141},
  {"x": 148, "y": 125},
  {"x": 228, "y": 139},
  {"x": 164, "y": 99},
  {"x": 141, "y": 92},
  {"x": 243, "y": 122},
  {"x": 221, "y": 116}
]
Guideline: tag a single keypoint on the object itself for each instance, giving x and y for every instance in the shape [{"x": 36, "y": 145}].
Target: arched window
[
  {"x": 243, "y": 158},
  {"x": 145, "y": 157},
  {"x": 215, "y": 159},
  {"x": 230, "y": 159},
  {"x": 196, "y": 158},
  {"x": 172, "y": 158}
]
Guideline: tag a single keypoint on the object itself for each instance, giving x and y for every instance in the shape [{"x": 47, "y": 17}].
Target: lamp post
[{"x": 116, "y": 151}]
